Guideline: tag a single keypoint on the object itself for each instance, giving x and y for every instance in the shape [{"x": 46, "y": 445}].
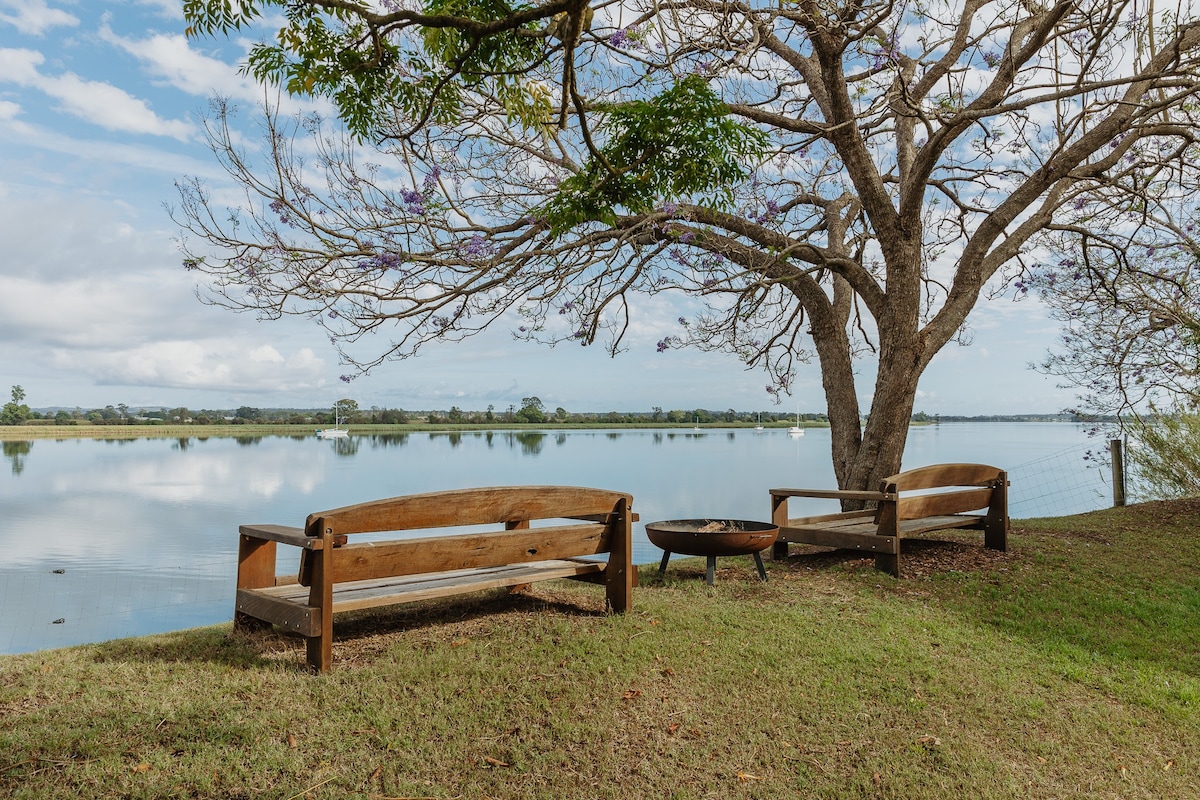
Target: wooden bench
[
  {"x": 337, "y": 574},
  {"x": 902, "y": 509}
]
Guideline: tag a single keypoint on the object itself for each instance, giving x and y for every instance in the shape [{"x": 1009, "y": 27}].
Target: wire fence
[{"x": 1070, "y": 481}]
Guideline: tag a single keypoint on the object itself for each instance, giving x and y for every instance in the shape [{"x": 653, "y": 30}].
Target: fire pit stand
[{"x": 712, "y": 538}]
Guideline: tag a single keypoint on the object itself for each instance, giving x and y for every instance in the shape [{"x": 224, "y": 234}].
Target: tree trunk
[{"x": 862, "y": 457}]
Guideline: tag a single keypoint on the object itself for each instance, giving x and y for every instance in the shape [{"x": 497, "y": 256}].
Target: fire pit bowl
[{"x": 712, "y": 538}]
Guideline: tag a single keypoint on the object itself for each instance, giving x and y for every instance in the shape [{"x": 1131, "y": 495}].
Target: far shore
[{"x": 94, "y": 431}]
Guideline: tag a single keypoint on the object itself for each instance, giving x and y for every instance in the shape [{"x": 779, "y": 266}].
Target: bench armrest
[
  {"x": 834, "y": 494},
  {"x": 282, "y": 533}
]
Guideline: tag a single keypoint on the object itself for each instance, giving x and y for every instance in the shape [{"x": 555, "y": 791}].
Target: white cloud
[
  {"x": 33, "y": 17},
  {"x": 97, "y": 102},
  {"x": 171, "y": 59},
  {"x": 172, "y": 9},
  {"x": 214, "y": 364}
]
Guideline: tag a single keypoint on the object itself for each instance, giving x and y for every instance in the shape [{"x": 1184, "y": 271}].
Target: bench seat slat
[
  {"x": 941, "y": 523},
  {"x": 355, "y": 595},
  {"x": 861, "y": 536}
]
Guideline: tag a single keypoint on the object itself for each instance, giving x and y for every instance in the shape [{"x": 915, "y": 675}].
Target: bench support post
[
  {"x": 618, "y": 575},
  {"x": 320, "y": 596},
  {"x": 995, "y": 524},
  {"x": 256, "y": 569},
  {"x": 779, "y": 516}
]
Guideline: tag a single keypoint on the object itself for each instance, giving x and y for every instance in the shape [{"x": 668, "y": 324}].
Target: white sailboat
[
  {"x": 759, "y": 426},
  {"x": 796, "y": 430},
  {"x": 336, "y": 432}
]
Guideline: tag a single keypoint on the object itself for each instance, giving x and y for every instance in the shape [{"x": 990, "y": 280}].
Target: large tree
[{"x": 830, "y": 179}]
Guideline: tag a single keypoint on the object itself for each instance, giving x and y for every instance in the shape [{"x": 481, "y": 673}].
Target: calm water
[{"x": 104, "y": 539}]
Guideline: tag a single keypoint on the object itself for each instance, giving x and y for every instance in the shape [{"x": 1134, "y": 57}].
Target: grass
[{"x": 1067, "y": 667}]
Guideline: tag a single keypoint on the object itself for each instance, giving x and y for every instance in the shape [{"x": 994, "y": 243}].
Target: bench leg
[
  {"x": 320, "y": 596},
  {"x": 889, "y": 562},
  {"x": 256, "y": 569},
  {"x": 779, "y": 551}
]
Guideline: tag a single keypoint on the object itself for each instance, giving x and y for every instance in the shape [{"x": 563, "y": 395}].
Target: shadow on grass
[{"x": 357, "y": 636}]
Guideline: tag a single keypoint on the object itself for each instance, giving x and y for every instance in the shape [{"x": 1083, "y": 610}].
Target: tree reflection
[
  {"x": 16, "y": 451},
  {"x": 389, "y": 439},
  {"x": 531, "y": 443},
  {"x": 345, "y": 447}
]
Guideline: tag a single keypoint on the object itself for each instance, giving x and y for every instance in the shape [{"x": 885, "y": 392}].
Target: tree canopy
[{"x": 824, "y": 179}]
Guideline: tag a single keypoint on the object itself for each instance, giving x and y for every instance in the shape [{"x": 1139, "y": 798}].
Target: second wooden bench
[{"x": 933, "y": 498}]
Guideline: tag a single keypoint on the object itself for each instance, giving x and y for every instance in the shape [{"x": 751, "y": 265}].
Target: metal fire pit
[{"x": 695, "y": 537}]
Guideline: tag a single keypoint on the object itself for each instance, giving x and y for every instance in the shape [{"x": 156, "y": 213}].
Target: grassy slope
[{"x": 1066, "y": 668}]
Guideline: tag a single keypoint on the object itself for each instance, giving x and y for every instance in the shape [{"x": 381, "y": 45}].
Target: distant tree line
[{"x": 531, "y": 411}]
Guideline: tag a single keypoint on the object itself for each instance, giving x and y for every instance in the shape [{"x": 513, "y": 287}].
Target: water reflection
[
  {"x": 16, "y": 452},
  {"x": 347, "y": 447},
  {"x": 387, "y": 439},
  {"x": 531, "y": 443}
]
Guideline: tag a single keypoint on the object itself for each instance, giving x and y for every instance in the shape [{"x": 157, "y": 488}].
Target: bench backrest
[
  {"x": 968, "y": 487},
  {"x": 604, "y": 526}
]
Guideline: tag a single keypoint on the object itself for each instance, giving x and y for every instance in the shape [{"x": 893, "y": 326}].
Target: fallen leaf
[
  {"x": 1168, "y": 765},
  {"x": 632, "y": 693},
  {"x": 878, "y": 779},
  {"x": 291, "y": 740},
  {"x": 378, "y": 771},
  {"x": 930, "y": 741},
  {"x": 142, "y": 767},
  {"x": 674, "y": 726},
  {"x": 495, "y": 762},
  {"x": 747, "y": 776}
]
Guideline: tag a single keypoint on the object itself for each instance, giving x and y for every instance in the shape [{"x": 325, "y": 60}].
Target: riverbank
[{"x": 1064, "y": 668}]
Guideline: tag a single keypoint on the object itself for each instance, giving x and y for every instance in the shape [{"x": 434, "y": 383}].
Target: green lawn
[{"x": 1068, "y": 667}]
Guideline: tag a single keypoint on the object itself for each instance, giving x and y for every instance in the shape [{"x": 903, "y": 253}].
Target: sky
[{"x": 100, "y": 109}]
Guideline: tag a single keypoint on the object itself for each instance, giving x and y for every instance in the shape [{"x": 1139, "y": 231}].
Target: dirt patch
[{"x": 920, "y": 558}]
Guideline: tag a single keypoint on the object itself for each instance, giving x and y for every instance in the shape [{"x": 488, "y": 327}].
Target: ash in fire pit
[{"x": 712, "y": 538}]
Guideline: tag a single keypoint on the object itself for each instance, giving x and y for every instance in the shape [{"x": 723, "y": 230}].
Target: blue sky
[{"x": 99, "y": 115}]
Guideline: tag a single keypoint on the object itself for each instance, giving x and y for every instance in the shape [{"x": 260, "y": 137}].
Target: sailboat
[
  {"x": 759, "y": 426},
  {"x": 336, "y": 432},
  {"x": 796, "y": 430}
]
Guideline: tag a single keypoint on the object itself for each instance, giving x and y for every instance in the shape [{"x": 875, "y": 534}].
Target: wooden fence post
[{"x": 1118, "y": 472}]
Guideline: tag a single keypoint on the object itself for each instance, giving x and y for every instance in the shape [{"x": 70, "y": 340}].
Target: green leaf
[{"x": 677, "y": 145}]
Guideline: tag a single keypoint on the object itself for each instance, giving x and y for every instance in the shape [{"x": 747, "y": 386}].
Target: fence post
[{"x": 1118, "y": 472}]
